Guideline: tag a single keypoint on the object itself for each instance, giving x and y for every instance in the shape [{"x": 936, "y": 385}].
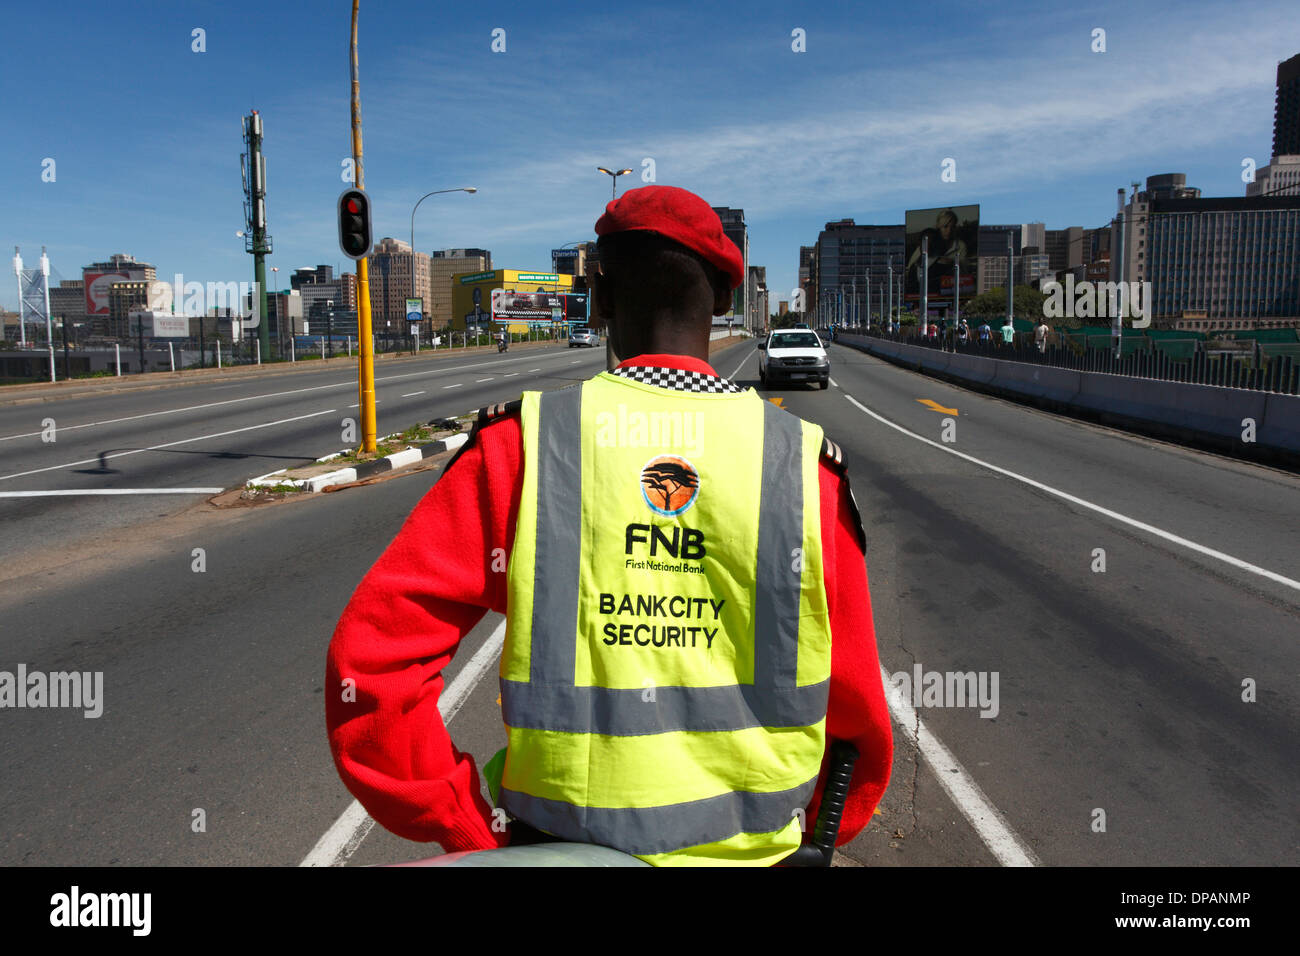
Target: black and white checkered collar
[{"x": 679, "y": 379}]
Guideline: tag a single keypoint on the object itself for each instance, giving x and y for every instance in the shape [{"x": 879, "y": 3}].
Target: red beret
[{"x": 681, "y": 216}]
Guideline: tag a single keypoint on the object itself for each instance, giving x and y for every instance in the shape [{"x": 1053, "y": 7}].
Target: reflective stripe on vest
[{"x": 773, "y": 720}]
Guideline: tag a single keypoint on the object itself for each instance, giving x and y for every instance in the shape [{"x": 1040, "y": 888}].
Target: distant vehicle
[
  {"x": 583, "y": 337},
  {"x": 793, "y": 355}
]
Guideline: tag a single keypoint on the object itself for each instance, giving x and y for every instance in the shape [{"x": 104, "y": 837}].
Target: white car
[{"x": 793, "y": 355}]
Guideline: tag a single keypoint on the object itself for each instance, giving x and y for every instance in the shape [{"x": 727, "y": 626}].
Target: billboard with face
[{"x": 953, "y": 234}]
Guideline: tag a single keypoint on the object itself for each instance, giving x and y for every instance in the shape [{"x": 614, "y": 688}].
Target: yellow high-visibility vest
[{"x": 667, "y": 656}]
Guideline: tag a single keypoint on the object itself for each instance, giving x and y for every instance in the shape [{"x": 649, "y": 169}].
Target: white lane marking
[
  {"x": 252, "y": 398},
  {"x": 533, "y": 370},
  {"x": 111, "y": 491},
  {"x": 1124, "y": 519},
  {"x": 835, "y": 383},
  {"x": 457, "y": 385},
  {"x": 575, "y": 361},
  {"x": 413, "y": 394},
  {"x": 488, "y": 379},
  {"x": 342, "y": 839},
  {"x": 739, "y": 367},
  {"x": 508, "y": 374},
  {"x": 170, "y": 444},
  {"x": 354, "y": 406},
  {"x": 1003, "y": 842}
]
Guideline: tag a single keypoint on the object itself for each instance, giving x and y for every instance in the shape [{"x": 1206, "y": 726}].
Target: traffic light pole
[{"x": 366, "y": 364}]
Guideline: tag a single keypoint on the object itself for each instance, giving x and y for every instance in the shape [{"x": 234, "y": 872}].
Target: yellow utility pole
[{"x": 366, "y": 366}]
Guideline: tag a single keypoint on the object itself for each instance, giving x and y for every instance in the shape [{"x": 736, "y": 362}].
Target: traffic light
[{"x": 355, "y": 237}]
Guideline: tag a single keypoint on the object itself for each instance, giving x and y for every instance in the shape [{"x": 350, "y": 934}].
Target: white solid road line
[
  {"x": 352, "y": 383},
  {"x": 739, "y": 367},
  {"x": 342, "y": 839},
  {"x": 1003, "y": 842},
  {"x": 111, "y": 491},
  {"x": 413, "y": 394},
  {"x": 1124, "y": 519},
  {"x": 170, "y": 444}
]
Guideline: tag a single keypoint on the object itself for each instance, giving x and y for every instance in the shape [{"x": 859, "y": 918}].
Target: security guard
[{"x": 681, "y": 568}]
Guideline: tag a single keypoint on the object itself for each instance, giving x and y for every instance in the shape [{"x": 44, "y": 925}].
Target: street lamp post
[
  {"x": 613, "y": 178},
  {"x": 275, "y": 293},
  {"x": 457, "y": 189}
]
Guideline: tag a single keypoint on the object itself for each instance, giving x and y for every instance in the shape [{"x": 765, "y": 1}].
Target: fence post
[
  {"x": 171, "y": 356},
  {"x": 322, "y": 347},
  {"x": 117, "y": 357},
  {"x": 218, "y": 353},
  {"x": 292, "y": 357}
]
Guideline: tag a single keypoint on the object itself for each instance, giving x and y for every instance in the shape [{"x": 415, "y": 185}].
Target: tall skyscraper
[{"x": 1286, "y": 109}]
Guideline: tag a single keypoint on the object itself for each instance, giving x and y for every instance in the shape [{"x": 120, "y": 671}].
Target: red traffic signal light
[{"x": 355, "y": 236}]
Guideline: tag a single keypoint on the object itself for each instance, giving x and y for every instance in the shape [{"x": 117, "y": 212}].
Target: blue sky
[{"x": 145, "y": 133}]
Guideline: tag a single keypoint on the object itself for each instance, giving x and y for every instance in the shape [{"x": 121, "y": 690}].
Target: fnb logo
[
  {"x": 686, "y": 543},
  {"x": 669, "y": 484}
]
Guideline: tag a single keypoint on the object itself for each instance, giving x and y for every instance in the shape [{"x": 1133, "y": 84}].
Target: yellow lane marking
[{"x": 936, "y": 407}]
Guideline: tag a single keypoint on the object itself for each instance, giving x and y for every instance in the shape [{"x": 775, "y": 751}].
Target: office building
[
  {"x": 390, "y": 263},
  {"x": 1215, "y": 263},
  {"x": 98, "y": 277},
  {"x": 1286, "y": 109},
  {"x": 734, "y": 228},
  {"x": 444, "y": 264},
  {"x": 1281, "y": 177},
  {"x": 850, "y": 270}
]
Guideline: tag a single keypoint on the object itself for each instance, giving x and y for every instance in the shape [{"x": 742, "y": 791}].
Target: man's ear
[{"x": 721, "y": 300}]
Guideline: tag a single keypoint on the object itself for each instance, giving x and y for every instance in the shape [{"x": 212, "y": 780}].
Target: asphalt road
[
  {"x": 1119, "y": 691},
  {"x": 215, "y": 433}
]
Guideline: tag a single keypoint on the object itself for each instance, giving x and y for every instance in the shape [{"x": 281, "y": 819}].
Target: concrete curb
[{"x": 366, "y": 469}]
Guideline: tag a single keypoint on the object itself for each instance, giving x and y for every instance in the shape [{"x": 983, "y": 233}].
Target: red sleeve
[
  {"x": 399, "y": 632},
  {"x": 856, "y": 711}
]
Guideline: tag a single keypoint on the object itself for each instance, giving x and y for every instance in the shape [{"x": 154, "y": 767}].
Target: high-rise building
[
  {"x": 444, "y": 264},
  {"x": 734, "y": 228},
  {"x": 98, "y": 277},
  {"x": 1215, "y": 263},
  {"x": 1064, "y": 248},
  {"x": 307, "y": 275},
  {"x": 1286, "y": 109},
  {"x": 68, "y": 300},
  {"x": 1281, "y": 177},
  {"x": 390, "y": 264},
  {"x": 850, "y": 271}
]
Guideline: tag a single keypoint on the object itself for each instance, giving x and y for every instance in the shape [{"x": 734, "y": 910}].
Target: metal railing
[{"x": 1260, "y": 367}]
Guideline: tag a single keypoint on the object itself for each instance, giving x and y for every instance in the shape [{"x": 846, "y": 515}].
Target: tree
[{"x": 1027, "y": 301}]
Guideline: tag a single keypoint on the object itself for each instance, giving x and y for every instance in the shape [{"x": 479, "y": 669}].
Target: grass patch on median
[{"x": 413, "y": 437}]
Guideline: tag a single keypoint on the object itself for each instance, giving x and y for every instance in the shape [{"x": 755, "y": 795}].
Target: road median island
[
  {"x": 393, "y": 452},
  {"x": 89, "y": 387}
]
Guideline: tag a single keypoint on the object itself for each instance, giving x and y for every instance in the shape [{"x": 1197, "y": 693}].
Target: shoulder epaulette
[
  {"x": 833, "y": 454},
  {"x": 490, "y": 413}
]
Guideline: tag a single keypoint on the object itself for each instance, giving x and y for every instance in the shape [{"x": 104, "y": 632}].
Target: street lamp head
[
  {"x": 623, "y": 172},
  {"x": 471, "y": 189},
  {"x": 608, "y": 172}
]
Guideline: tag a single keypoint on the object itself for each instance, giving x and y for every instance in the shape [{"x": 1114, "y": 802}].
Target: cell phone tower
[{"x": 257, "y": 241}]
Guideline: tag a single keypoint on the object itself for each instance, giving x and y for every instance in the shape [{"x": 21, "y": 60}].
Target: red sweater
[{"x": 436, "y": 581}]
